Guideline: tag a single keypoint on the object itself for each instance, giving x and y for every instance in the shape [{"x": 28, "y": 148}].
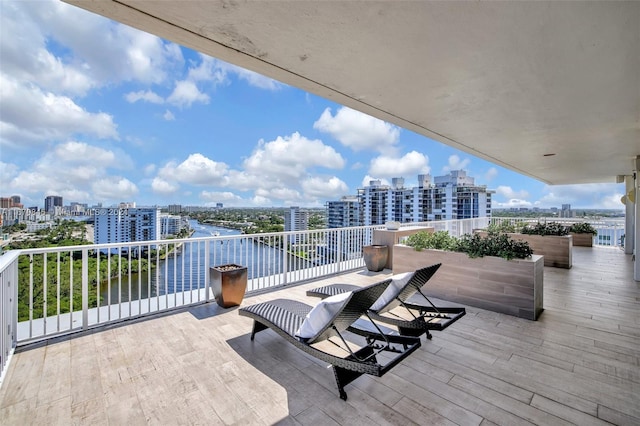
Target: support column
[
  {"x": 629, "y": 228},
  {"x": 636, "y": 259}
]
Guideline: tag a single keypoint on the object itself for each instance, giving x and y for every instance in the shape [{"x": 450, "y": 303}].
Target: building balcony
[{"x": 195, "y": 364}]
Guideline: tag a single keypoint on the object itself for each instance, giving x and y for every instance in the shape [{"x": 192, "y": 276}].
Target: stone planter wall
[
  {"x": 555, "y": 249},
  {"x": 582, "y": 240},
  {"x": 512, "y": 287}
]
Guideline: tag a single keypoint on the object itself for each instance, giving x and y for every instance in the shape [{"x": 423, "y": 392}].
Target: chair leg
[
  {"x": 257, "y": 327},
  {"x": 343, "y": 378}
]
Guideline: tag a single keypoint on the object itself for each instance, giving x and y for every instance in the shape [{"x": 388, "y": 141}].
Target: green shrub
[
  {"x": 495, "y": 244},
  {"x": 440, "y": 240},
  {"x": 583, "y": 228},
  {"x": 550, "y": 228}
]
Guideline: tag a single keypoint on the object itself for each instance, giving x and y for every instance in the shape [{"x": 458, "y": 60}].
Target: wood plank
[{"x": 579, "y": 363}]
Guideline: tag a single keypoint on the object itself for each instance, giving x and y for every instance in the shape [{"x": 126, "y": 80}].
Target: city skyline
[{"x": 97, "y": 112}]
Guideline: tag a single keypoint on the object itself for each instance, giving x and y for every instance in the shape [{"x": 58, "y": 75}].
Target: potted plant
[
  {"x": 229, "y": 283},
  {"x": 583, "y": 234},
  {"x": 494, "y": 272}
]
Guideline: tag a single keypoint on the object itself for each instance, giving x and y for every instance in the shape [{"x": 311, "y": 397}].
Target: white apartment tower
[
  {"x": 295, "y": 220},
  {"x": 123, "y": 225},
  {"x": 452, "y": 196},
  {"x": 344, "y": 213}
]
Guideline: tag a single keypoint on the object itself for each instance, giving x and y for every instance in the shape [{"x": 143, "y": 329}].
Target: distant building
[
  {"x": 452, "y": 196},
  {"x": 116, "y": 225},
  {"x": 219, "y": 205},
  {"x": 295, "y": 220},
  {"x": 175, "y": 208},
  {"x": 51, "y": 202},
  {"x": 566, "y": 211},
  {"x": 171, "y": 224},
  {"x": 344, "y": 213}
]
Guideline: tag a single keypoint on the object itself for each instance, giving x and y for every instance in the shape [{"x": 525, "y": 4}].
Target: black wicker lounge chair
[
  {"x": 350, "y": 355},
  {"x": 411, "y": 318}
]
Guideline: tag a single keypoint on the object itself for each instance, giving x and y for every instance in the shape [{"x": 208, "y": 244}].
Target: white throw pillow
[
  {"x": 321, "y": 315},
  {"x": 398, "y": 282}
]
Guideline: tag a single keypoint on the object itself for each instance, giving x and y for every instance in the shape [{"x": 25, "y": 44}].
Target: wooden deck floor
[{"x": 579, "y": 364}]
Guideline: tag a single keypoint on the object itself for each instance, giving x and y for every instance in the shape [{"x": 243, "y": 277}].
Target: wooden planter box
[
  {"x": 229, "y": 283},
  {"x": 512, "y": 287},
  {"x": 582, "y": 240},
  {"x": 555, "y": 249}
]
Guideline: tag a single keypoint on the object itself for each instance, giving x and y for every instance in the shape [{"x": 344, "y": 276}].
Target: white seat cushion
[
  {"x": 398, "y": 282},
  {"x": 321, "y": 315}
]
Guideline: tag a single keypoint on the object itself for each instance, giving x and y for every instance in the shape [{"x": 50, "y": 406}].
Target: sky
[{"x": 98, "y": 112}]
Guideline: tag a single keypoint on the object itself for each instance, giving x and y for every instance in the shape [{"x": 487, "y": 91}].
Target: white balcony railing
[{"x": 54, "y": 291}]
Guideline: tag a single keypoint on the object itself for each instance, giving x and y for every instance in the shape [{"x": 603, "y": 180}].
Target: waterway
[{"x": 184, "y": 268}]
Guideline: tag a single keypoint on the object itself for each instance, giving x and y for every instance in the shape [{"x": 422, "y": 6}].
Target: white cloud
[
  {"x": 412, "y": 163},
  {"x": 359, "y": 131},
  {"x": 30, "y": 116},
  {"x": 252, "y": 78},
  {"x": 168, "y": 116},
  {"x": 366, "y": 181},
  {"x": 208, "y": 70},
  {"x": 144, "y": 95},
  {"x": 7, "y": 172},
  {"x": 286, "y": 194},
  {"x": 290, "y": 157},
  {"x": 114, "y": 188},
  {"x": 455, "y": 163},
  {"x": 161, "y": 186},
  {"x": 120, "y": 53},
  {"x": 512, "y": 203},
  {"x": 491, "y": 174},
  {"x": 195, "y": 170},
  {"x": 70, "y": 169},
  {"x": 212, "y": 197},
  {"x": 509, "y": 193},
  {"x": 186, "y": 93},
  {"x": 324, "y": 188},
  {"x": 149, "y": 169},
  {"x": 593, "y": 195}
]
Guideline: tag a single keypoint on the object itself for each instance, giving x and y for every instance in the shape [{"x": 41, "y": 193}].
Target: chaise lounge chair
[
  {"x": 393, "y": 307},
  {"x": 320, "y": 331}
]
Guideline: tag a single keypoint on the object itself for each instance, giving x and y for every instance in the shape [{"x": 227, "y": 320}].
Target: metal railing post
[
  {"x": 207, "y": 284},
  {"x": 85, "y": 288}
]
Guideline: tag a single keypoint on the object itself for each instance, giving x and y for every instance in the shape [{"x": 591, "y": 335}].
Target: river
[{"x": 184, "y": 270}]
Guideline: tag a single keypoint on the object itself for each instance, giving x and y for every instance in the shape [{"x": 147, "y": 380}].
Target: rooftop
[{"x": 580, "y": 364}]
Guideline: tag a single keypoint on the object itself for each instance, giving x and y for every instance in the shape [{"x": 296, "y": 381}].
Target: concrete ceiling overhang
[{"x": 510, "y": 82}]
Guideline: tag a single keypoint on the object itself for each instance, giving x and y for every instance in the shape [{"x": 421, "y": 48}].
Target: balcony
[{"x": 195, "y": 364}]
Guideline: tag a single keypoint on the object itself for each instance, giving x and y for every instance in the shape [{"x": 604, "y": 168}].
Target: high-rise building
[
  {"x": 174, "y": 208},
  {"x": 295, "y": 220},
  {"x": 116, "y": 225},
  {"x": 344, "y": 213},
  {"x": 566, "y": 211},
  {"x": 452, "y": 196},
  {"x": 170, "y": 224},
  {"x": 51, "y": 202}
]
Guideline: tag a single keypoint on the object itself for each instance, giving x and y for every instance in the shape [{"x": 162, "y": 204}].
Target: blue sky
[{"x": 98, "y": 112}]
